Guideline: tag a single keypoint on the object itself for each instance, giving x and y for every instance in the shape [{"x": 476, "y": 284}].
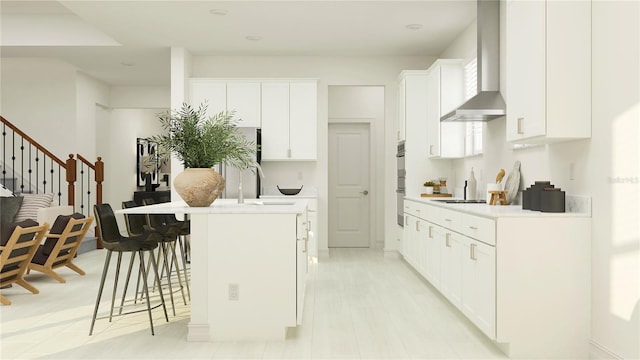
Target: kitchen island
[{"x": 248, "y": 267}]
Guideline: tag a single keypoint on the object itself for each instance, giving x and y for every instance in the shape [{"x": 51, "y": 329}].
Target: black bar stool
[
  {"x": 112, "y": 240},
  {"x": 176, "y": 231}
]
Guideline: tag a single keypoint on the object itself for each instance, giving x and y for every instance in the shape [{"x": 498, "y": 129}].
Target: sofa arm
[{"x": 49, "y": 214}]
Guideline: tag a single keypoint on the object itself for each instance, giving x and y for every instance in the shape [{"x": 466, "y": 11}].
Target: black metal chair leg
[
  {"x": 163, "y": 247},
  {"x": 115, "y": 285},
  {"x": 126, "y": 284},
  {"x": 155, "y": 270},
  {"x": 172, "y": 246},
  {"x": 100, "y": 289},
  {"x": 146, "y": 289}
]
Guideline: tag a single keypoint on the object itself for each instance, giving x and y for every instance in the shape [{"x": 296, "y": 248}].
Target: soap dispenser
[{"x": 471, "y": 186}]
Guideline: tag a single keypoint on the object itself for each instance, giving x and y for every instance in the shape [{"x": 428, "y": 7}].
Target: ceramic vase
[{"x": 199, "y": 187}]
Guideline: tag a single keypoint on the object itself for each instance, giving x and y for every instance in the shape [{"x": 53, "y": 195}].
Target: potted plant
[
  {"x": 428, "y": 186},
  {"x": 201, "y": 142}
]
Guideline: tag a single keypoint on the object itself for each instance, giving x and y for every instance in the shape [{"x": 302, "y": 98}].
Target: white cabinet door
[
  {"x": 433, "y": 113},
  {"x": 451, "y": 266},
  {"x": 526, "y": 65},
  {"x": 479, "y": 284},
  {"x": 303, "y": 106},
  {"x": 243, "y": 97},
  {"x": 445, "y": 91},
  {"x": 301, "y": 264},
  {"x": 548, "y": 82},
  {"x": 275, "y": 120},
  {"x": 289, "y": 120},
  {"x": 432, "y": 268},
  {"x": 401, "y": 111},
  {"x": 211, "y": 92},
  {"x": 421, "y": 239}
]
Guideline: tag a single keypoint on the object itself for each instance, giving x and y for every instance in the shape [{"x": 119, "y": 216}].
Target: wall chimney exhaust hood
[{"x": 488, "y": 103}]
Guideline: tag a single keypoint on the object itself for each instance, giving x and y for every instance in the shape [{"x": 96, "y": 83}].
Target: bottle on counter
[{"x": 472, "y": 186}]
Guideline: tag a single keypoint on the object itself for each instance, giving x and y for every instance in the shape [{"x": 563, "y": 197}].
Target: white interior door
[{"x": 349, "y": 185}]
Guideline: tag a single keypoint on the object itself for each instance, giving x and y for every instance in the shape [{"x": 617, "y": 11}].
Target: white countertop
[
  {"x": 496, "y": 211},
  {"x": 224, "y": 206}
]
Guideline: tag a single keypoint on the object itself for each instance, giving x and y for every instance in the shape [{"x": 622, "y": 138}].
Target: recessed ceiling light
[
  {"x": 253, "y": 38},
  {"x": 414, "y": 26},
  {"x": 220, "y": 12}
]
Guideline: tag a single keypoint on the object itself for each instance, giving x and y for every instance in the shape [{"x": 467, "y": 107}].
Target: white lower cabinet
[
  {"x": 302, "y": 262},
  {"x": 523, "y": 279},
  {"x": 432, "y": 254},
  {"x": 450, "y": 265},
  {"x": 462, "y": 268},
  {"x": 478, "y": 297}
]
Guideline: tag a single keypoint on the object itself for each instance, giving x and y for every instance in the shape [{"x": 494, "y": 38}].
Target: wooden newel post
[
  {"x": 70, "y": 165},
  {"x": 99, "y": 177}
]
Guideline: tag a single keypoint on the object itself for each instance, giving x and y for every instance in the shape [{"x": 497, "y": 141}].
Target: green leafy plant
[
  {"x": 429, "y": 183},
  {"x": 199, "y": 141}
]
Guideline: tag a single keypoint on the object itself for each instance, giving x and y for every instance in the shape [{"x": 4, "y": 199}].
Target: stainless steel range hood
[{"x": 488, "y": 103}]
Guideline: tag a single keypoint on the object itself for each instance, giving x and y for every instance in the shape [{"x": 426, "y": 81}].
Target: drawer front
[
  {"x": 479, "y": 228},
  {"x": 410, "y": 207},
  {"x": 450, "y": 219}
]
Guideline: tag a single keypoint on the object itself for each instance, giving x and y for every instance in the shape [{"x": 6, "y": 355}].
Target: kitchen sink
[{"x": 460, "y": 201}]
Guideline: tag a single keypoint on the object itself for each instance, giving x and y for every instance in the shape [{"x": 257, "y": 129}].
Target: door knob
[{"x": 366, "y": 192}]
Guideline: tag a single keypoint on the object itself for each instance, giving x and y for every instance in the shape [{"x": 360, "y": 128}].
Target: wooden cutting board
[{"x": 436, "y": 195}]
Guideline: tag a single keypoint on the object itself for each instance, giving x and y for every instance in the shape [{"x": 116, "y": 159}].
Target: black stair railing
[{"x": 28, "y": 167}]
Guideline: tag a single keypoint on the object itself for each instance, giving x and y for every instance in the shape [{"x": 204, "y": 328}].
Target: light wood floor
[{"x": 359, "y": 305}]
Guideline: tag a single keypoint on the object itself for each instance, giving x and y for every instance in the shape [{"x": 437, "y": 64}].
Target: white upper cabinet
[
  {"x": 401, "y": 134},
  {"x": 289, "y": 120},
  {"x": 303, "y": 120},
  {"x": 240, "y": 96},
  {"x": 445, "y": 91},
  {"x": 243, "y": 97},
  {"x": 211, "y": 92},
  {"x": 548, "y": 71}
]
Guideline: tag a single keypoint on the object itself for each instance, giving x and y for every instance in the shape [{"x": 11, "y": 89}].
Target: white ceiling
[{"x": 128, "y": 42}]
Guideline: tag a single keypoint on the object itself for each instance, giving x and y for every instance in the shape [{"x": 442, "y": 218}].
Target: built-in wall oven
[{"x": 400, "y": 189}]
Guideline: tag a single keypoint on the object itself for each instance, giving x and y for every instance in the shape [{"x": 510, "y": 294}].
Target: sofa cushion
[
  {"x": 9, "y": 207},
  {"x": 58, "y": 228},
  {"x": 30, "y": 205},
  {"x": 6, "y": 231}
]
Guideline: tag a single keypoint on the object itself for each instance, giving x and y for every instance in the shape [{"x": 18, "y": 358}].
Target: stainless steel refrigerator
[{"x": 250, "y": 178}]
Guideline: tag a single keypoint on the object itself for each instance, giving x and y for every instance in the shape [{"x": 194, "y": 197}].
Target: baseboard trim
[
  {"x": 392, "y": 254},
  {"x": 598, "y": 351},
  {"x": 88, "y": 243}
]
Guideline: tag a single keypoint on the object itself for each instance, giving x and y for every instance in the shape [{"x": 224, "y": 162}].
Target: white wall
[
  {"x": 329, "y": 71},
  {"x": 39, "y": 97},
  {"x": 606, "y": 168},
  {"x": 69, "y": 112},
  {"x": 118, "y": 130}
]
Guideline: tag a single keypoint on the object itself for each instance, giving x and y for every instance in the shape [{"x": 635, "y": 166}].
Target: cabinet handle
[
  {"x": 446, "y": 240},
  {"x": 447, "y": 219},
  {"x": 406, "y": 220},
  {"x": 473, "y": 252},
  {"x": 430, "y": 149},
  {"x": 288, "y": 153},
  {"x": 473, "y": 228},
  {"x": 430, "y": 228},
  {"x": 417, "y": 226},
  {"x": 520, "y": 121}
]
